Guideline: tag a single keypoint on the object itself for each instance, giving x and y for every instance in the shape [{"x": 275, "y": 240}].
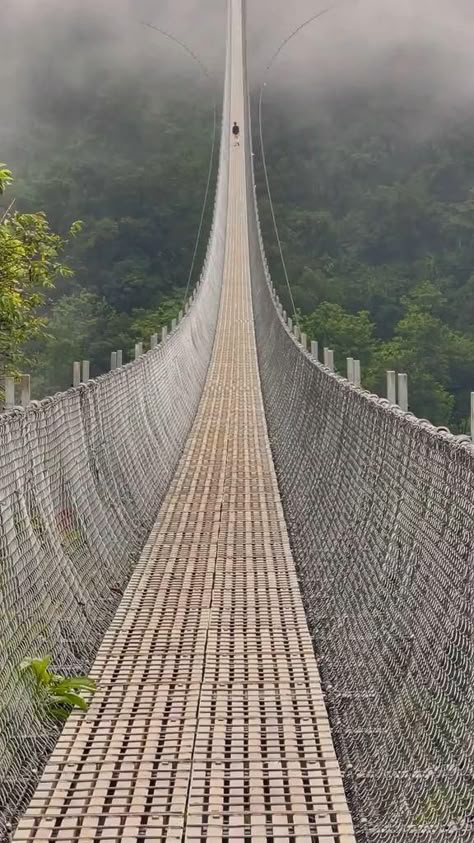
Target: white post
[
  {"x": 154, "y": 341},
  {"x": 391, "y": 387},
  {"x": 9, "y": 393},
  {"x": 138, "y": 350},
  {"x": 296, "y": 331},
  {"x": 76, "y": 374},
  {"x": 25, "y": 390},
  {"x": 315, "y": 349},
  {"x": 472, "y": 416},
  {"x": 173, "y": 324},
  {"x": 304, "y": 341},
  {"x": 113, "y": 361},
  {"x": 331, "y": 359},
  {"x": 350, "y": 369},
  {"x": 284, "y": 315},
  {"x": 357, "y": 376},
  {"x": 403, "y": 392},
  {"x": 326, "y": 357},
  {"x": 290, "y": 324},
  {"x": 186, "y": 307},
  {"x": 164, "y": 333},
  {"x": 180, "y": 316},
  {"x": 86, "y": 371},
  {"x": 119, "y": 359}
]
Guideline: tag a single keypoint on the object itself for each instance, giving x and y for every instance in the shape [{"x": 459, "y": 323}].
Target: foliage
[
  {"x": 134, "y": 168},
  {"x": 29, "y": 265},
  {"x": 59, "y": 694},
  {"x": 375, "y": 206}
]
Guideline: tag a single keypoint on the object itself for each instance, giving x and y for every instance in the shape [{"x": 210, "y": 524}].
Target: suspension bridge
[{"x": 267, "y": 571}]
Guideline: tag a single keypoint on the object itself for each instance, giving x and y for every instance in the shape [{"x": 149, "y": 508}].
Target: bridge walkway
[{"x": 209, "y": 722}]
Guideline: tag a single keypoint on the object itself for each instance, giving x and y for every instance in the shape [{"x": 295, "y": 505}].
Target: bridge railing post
[
  {"x": 403, "y": 392},
  {"x": 315, "y": 349},
  {"x": 164, "y": 333},
  {"x": 296, "y": 332},
  {"x": 350, "y": 369},
  {"x": 113, "y": 361},
  {"x": 9, "y": 393},
  {"x": 472, "y": 416},
  {"x": 153, "y": 341},
  {"x": 25, "y": 390},
  {"x": 138, "y": 350},
  {"x": 326, "y": 357},
  {"x": 331, "y": 365},
  {"x": 290, "y": 324},
  {"x": 304, "y": 341},
  {"x": 86, "y": 371},
  {"x": 357, "y": 374},
  {"x": 173, "y": 324},
  {"x": 76, "y": 373},
  {"x": 391, "y": 386}
]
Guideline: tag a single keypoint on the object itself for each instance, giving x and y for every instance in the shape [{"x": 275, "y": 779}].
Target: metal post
[
  {"x": 304, "y": 341},
  {"x": 154, "y": 340},
  {"x": 9, "y": 393},
  {"x": 173, "y": 324},
  {"x": 350, "y": 369},
  {"x": 392, "y": 386},
  {"x": 164, "y": 333},
  {"x": 76, "y": 374},
  {"x": 138, "y": 350},
  {"x": 315, "y": 349},
  {"x": 113, "y": 361},
  {"x": 357, "y": 376},
  {"x": 119, "y": 359},
  {"x": 86, "y": 371},
  {"x": 25, "y": 390},
  {"x": 403, "y": 392},
  {"x": 331, "y": 360},
  {"x": 472, "y": 416}
]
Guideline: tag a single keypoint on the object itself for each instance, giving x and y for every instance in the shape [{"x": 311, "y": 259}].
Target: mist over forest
[{"x": 369, "y": 136}]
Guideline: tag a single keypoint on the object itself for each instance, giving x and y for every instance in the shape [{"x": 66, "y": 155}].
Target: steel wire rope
[
  {"x": 269, "y": 66},
  {"x": 206, "y": 73}
]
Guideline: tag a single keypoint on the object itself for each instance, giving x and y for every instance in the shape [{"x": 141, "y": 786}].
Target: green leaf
[{"x": 75, "y": 683}]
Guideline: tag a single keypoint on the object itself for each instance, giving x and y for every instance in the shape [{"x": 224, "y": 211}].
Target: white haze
[{"x": 422, "y": 45}]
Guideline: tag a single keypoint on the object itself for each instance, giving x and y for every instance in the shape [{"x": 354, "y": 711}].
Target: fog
[{"x": 414, "y": 45}]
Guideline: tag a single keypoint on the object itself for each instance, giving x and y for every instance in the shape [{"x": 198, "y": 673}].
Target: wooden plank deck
[{"x": 209, "y": 722}]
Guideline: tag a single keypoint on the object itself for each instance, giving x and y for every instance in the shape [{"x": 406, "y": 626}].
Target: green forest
[{"x": 376, "y": 218}]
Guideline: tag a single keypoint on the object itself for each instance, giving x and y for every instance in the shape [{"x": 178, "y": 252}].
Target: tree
[
  {"x": 29, "y": 265},
  {"x": 348, "y": 334}
]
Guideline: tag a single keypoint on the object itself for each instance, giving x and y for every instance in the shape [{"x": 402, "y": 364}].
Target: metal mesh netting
[
  {"x": 82, "y": 476},
  {"x": 380, "y": 509}
]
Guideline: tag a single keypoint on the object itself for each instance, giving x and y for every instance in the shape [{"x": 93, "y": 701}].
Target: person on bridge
[{"x": 236, "y": 133}]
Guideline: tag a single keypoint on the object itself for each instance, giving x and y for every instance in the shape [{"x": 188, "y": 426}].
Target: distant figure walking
[{"x": 236, "y": 133}]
